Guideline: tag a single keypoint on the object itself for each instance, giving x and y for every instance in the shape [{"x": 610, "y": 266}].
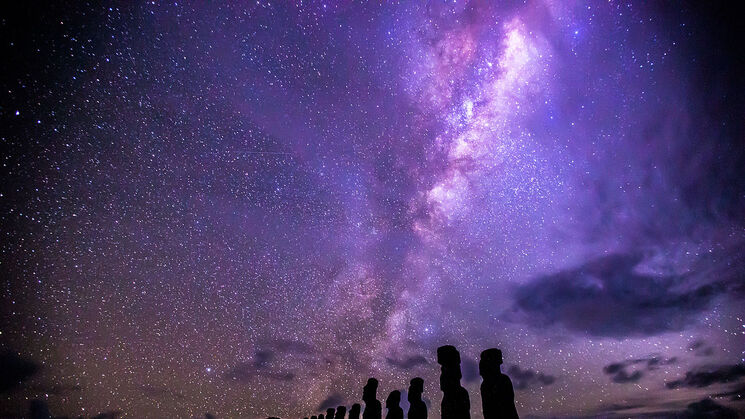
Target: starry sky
[{"x": 248, "y": 209}]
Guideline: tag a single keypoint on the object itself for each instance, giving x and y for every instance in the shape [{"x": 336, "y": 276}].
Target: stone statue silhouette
[
  {"x": 497, "y": 394},
  {"x": 330, "y": 413},
  {"x": 341, "y": 411},
  {"x": 38, "y": 409},
  {"x": 373, "y": 409},
  {"x": 455, "y": 401},
  {"x": 391, "y": 403},
  {"x": 417, "y": 408},
  {"x": 314, "y": 417},
  {"x": 320, "y": 416},
  {"x": 354, "y": 412}
]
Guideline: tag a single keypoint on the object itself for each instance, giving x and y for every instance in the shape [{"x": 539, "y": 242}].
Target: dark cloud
[
  {"x": 632, "y": 370},
  {"x": 262, "y": 358},
  {"x": 246, "y": 371},
  {"x": 655, "y": 362},
  {"x": 527, "y": 378},
  {"x": 708, "y": 408},
  {"x": 407, "y": 363},
  {"x": 267, "y": 361},
  {"x": 333, "y": 400},
  {"x": 15, "y": 370},
  {"x": 259, "y": 366},
  {"x": 620, "y": 407},
  {"x": 607, "y": 297},
  {"x": 659, "y": 408},
  {"x": 736, "y": 393},
  {"x": 623, "y": 376},
  {"x": 700, "y": 378},
  {"x": 700, "y": 348}
]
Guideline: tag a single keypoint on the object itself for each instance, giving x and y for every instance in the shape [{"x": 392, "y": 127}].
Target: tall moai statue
[
  {"x": 373, "y": 409},
  {"x": 455, "y": 401},
  {"x": 417, "y": 408},
  {"x": 497, "y": 394},
  {"x": 392, "y": 404},
  {"x": 354, "y": 412},
  {"x": 330, "y": 413},
  {"x": 341, "y": 411}
]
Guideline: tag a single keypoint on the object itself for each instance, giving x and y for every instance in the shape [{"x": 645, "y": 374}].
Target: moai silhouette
[
  {"x": 373, "y": 409},
  {"x": 392, "y": 404},
  {"x": 320, "y": 416},
  {"x": 38, "y": 409},
  {"x": 330, "y": 413},
  {"x": 497, "y": 394},
  {"x": 341, "y": 411},
  {"x": 354, "y": 412},
  {"x": 314, "y": 417},
  {"x": 417, "y": 408},
  {"x": 455, "y": 401}
]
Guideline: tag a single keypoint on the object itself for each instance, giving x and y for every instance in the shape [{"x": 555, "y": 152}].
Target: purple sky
[{"x": 250, "y": 209}]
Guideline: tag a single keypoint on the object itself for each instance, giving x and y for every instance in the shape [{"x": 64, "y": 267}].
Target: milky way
[{"x": 250, "y": 209}]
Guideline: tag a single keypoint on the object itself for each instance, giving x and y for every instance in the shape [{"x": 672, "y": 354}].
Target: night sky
[{"x": 249, "y": 209}]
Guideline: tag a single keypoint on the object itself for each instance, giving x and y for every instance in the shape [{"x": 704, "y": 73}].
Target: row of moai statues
[{"x": 497, "y": 393}]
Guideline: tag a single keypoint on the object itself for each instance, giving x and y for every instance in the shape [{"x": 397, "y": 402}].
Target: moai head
[
  {"x": 490, "y": 362},
  {"x": 330, "y": 413},
  {"x": 369, "y": 392},
  {"x": 354, "y": 412},
  {"x": 449, "y": 358},
  {"x": 393, "y": 399},
  {"x": 448, "y": 355},
  {"x": 416, "y": 388},
  {"x": 341, "y": 411}
]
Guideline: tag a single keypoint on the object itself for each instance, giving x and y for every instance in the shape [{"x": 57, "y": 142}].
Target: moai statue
[
  {"x": 320, "y": 416},
  {"x": 314, "y": 417},
  {"x": 373, "y": 409},
  {"x": 392, "y": 404},
  {"x": 354, "y": 412},
  {"x": 330, "y": 413},
  {"x": 455, "y": 401},
  {"x": 341, "y": 411},
  {"x": 38, "y": 409},
  {"x": 417, "y": 408},
  {"x": 497, "y": 394}
]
